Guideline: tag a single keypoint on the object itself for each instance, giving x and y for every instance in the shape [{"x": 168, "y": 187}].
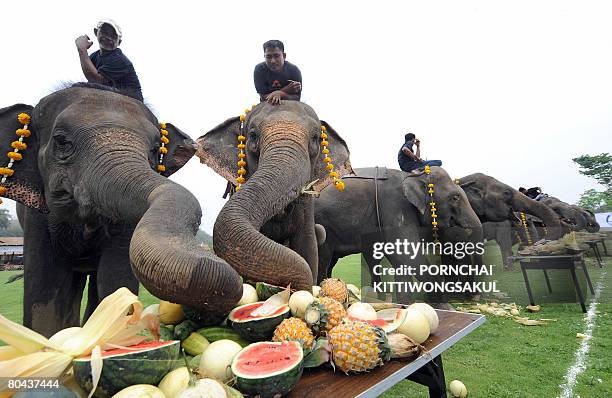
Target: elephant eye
[{"x": 62, "y": 146}]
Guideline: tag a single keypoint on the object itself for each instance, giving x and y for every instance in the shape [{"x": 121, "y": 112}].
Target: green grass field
[{"x": 501, "y": 358}]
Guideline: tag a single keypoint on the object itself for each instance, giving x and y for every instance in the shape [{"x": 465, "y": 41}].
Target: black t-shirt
[
  {"x": 118, "y": 70},
  {"x": 267, "y": 81},
  {"x": 406, "y": 163}
]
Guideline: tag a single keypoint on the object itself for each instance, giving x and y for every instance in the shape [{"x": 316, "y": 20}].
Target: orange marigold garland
[
  {"x": 14, "y": 155},
  {"x": 163, "y": 138},
  {"x": 328, "y": 160},
  {"x": 526, "y": 228},
  {"x": 242, "y": 164},
  {"x": 432, "y": 205}
]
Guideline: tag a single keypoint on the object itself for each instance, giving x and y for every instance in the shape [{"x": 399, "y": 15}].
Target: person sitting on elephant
[
  {"x": 409, "y": 160},
  {"x": 275, "y": 78},
  {"x": 108, "y": 65}
]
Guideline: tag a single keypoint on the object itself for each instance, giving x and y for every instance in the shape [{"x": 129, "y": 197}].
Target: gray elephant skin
[
  {"x": 266, "y": 230},
  {"x": 495, "y": 202},
  {"x": 352, "y": 222},
  {"x": 576, "y": 217},
  {"x": 96, "y": 205}
]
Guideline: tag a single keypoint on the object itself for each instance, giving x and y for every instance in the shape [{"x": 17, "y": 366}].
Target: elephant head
[
  {"x": 495, "y": 201},
  {"x": 570, "y": 215},
  {"x": 92, "y": 159},
  {"x": 283, "y": 155},
  {"x": 591, "y": 222},
  {"x": 456, "y": 219}
]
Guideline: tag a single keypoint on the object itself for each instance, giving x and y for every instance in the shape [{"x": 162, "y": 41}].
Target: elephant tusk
[{"x": 307, "y": 191}]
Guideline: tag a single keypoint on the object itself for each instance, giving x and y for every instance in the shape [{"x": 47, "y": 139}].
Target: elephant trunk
[
  {"x": 524, "y": 204},
  {"x": 284, "y": 169},
  {"x": 164, "y": 253}
]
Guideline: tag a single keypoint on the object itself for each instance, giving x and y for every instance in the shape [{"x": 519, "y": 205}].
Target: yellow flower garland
[
  {"x": 328, "y": 160},
  {"x": 432, "y": 205},
  {"x": 163, "y": 138},
  {"x": 526, "y": 228},
  {"x": 14, "y": 155},
  {"x": 242, "y": 164}
]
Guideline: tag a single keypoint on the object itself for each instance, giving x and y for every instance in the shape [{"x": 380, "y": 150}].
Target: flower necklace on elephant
[{"x": 14, "y": 155}]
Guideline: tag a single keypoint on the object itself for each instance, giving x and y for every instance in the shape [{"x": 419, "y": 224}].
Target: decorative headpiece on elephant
[
  {"x": 284, "y": 158},
  {"x": 95, "y": 203},
  {"x": 574, "y": 216},
  {"x": 386, "y": 205},
  {"x": 492, "y": 200}
]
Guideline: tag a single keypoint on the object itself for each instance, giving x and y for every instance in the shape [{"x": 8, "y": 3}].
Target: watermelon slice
[
  {"x": 389, "y": 319},
  {"x": 256, "y": 327},
  {"x": 268, "y": 369},
  {"x": 145, "y": 363}
]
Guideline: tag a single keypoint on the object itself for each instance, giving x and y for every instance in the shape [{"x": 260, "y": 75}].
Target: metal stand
[
  {"x": 556, "y": 262},
  {"x": 593, "y": 245},
  {"x": 431, "y": 375}
]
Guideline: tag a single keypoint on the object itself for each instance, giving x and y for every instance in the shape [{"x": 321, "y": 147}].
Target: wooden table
[
  {"x": 426, "y": 369},
  {"x": 545, "y": 263}
]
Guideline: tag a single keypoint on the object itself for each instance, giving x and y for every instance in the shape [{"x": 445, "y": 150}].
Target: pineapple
[
  {"x": 358, "y": 346},
  {"x": 334, "y": 288},
  {"x": 323, "y": 314},
  {"x": 294, "y": 329}
]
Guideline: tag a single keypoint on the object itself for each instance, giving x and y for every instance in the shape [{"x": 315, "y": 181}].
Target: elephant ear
[
  {"x": 217, "y": 149},
  {"x": 475, "y": 196},
  {"x": 25, "y": 185},
  {"x": 180, "y": 149},
  {"x": 415, "y": 192},
  {"x": 339, "y": 153}
]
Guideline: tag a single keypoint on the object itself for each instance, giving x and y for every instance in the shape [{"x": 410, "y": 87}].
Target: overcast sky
[{"x": 511, "y": 89}]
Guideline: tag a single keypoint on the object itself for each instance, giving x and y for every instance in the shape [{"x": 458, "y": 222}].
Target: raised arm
[{"x": 89, "y": 69}]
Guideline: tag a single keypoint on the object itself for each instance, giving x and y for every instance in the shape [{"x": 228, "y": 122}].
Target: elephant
[
  {"x": 266, "y": 229},
  {"x": 92, "y": 202},
  {"x": 494, "y": 201},
  {"x": 576, "y": 217},
  {"x": 591, "y": 222},
  {"x": 393, "y": 206},
  {"x": 506, "y": 234}
]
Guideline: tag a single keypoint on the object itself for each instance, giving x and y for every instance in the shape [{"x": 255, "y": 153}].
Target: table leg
[
  {"x": 577, "y": 286},
  {"x": 431, "y": 375},
  {"x": 547, "y": 280},
  {"x": 598, "y": 255},
  {"x": 603, "y": 243},
  {"x": 527, "y": 284},
  {"x": 588, "y": 278}
]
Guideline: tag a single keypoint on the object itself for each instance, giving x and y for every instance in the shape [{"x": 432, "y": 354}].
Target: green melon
[
  {"x": 256, "y": 328},
  {"x": 268, "y": 369},
  {"x": 216, "y": 333},
  {"x": 145, "y": 363}
]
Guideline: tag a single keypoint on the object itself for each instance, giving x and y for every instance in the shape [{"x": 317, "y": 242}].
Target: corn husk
[{"x": 115, "y": 322}]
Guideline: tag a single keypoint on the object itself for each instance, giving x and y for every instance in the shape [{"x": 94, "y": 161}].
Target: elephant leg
[
  {"x": 304, "y": 242},
  {"x": 331, "y": 266},
  {"x": 324, "y": 258},
  {"x": 92, "y": 296},
  {"x": 114, "y": 269},
  {"x": 52, "y": 290},
  {"x": 504, "y": 240}
]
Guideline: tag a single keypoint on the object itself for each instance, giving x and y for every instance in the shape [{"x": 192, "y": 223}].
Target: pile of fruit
[
  {"x": 572, "y": 243},
  {"x": 259, "y": 349}
]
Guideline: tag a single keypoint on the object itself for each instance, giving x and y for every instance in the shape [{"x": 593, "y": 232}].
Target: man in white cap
[{"x": 108, "y": 65}]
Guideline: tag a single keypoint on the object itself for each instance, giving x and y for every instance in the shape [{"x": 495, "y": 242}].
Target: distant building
[{"x": 11, "y": 251}]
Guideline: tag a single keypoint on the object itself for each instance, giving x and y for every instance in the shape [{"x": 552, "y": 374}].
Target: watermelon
[
  {"x": 265, "y": 290},
  {"x": 145, "y": 363},
  {"x": 389, "y": 319},
  {"x": 215, "y": 333},
  {"x": 256, "y": 327},
  {"x": 268, "y": 369}
]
